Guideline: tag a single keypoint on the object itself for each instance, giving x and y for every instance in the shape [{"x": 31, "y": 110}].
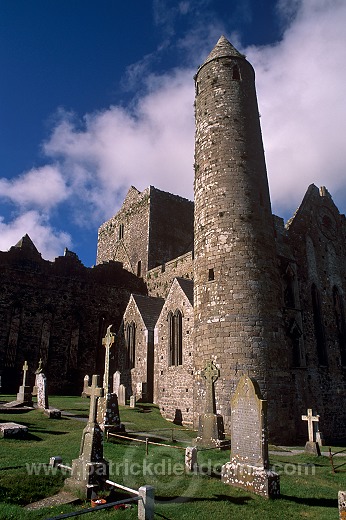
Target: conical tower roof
[{"x": 223, "y": 48}]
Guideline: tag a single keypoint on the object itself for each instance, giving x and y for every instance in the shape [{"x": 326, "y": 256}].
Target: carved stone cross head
[
  {"x": 95, "y": 391},
  {"x": 108, "y": 340},
  {"x": 211, "y": 372}
]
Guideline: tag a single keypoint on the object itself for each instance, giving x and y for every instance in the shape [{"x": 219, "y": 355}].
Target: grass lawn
[{"x": 308, "y": 487}]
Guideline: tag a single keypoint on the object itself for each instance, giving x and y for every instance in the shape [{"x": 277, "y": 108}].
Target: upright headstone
[
  {"x": 90, "y": 469},
  {"x": 249, "y": 465},
  {"x": 312, "y": 445},
  {"x": 132, "y": 401},
  {"x": 24, "y": 397},
  {"x": 108, "y": 416},
  {"x": 122, "y": 395},
  {"x": 42, "y": 395},
  {"x": 86, "y": 382},
  {"x": 191, "y": 458},
  {"x": 210, "y": 428},
  {"x": 116, "y": 382}
]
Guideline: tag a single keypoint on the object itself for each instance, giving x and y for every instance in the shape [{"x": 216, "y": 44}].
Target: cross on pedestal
[
  {"x": 25, "y": 369},
  {"x": 94, "y": 391},
  {"x": 107, "y": 342},
  {"x": 311, "y": 419},
  {"x": 211, "y": 374}
]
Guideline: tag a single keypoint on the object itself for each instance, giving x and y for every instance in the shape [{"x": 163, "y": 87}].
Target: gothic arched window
[
  {"x": 175, "y": 338},
  {"x": 318, "y": 326},
  {"x": 130, "y": 341},
  {"x": 339, "y": 312}
]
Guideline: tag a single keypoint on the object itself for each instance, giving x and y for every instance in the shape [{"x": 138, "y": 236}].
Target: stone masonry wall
[
  {"x": 173, "y": 387},
  {"x": 159, "y": 280},
  {"x": 58, "y": 311}
]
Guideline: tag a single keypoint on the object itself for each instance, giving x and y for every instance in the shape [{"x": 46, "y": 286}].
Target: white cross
[
  {"x": 25, "y": 368},
  {"x": 311, "y": 419}
]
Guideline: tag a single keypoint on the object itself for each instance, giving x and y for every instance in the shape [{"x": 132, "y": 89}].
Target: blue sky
[{"x": 96, "y": 96}]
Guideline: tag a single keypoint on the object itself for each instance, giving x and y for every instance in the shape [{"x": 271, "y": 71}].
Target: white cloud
[
  {"x": 301, "y": 84},
  {"x": 300, "y": 81},
  {"x": 48, "y": 241},
  {"x": 41, "y": 187}
]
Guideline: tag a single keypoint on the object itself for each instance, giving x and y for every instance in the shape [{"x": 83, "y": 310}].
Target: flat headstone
[
  {"x": 249, "y": 465},
  {"x": 53, "y": 413},
  {"x": 13, "y": 430}
]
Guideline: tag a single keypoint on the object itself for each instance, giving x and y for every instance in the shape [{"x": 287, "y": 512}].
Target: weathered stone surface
[
  {"x": 249, "y": 465},
  {"x": 191, "y": 458},
  {"x": 108, "y": 416},
  {"x": 210, "y": 428},
  {"x": 342, "y": 505},
  {"x": 90, "y": 469},
  {"x": 53, "y": 413},
  {"x": 116, "y": 382},
  {"x": 122, "y": 395},
  {"x": 13, "y": 430},
  {"x": 132, "y": 401},
  {"x": 42, "y": 393}
]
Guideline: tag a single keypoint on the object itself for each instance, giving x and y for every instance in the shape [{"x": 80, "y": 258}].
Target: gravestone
[
  {"x": 311, "y": 445},
  {"x": 108, "y": 416},
  {"x": 11, "y": 430},
  {"x": 116, "y": 382},
  {"x": 342, "y": 505},
  {"x": 90, "y": 469},
  {"x": 122, "y": 395},
  {"x": 191, "y": 458},
  {"x": 210, "y": 428},
  {"x": 24, "y": 397},
  {"x": 132, "y": 401},
  {"x": 24, "y": 394},
  {"x": 249, "y": 464},
  {"x": 86, "y": 382},
  {"x": 42, "y": 395}
]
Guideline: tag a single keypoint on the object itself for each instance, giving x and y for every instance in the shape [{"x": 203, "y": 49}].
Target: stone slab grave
[
  {"x": 211, "y": 429},
  {"x": 249, "y": 464},
  {"x": 312, "y": 446},
  {"x": 90, "y": 470},
  {"x": 13, "y": 430},
  {"x": 108, "y": 416}
]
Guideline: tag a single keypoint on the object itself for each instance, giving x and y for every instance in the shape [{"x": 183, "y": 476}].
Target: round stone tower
[{"x": 236, "y": 284}]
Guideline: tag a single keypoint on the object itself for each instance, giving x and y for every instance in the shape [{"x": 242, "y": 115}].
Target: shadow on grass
[
  {"x": 317, "y": 502},
  {"x": 241, "y": 501}
]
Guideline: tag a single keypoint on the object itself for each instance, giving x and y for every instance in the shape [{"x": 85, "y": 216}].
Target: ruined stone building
[{"x": 220, "y": 280}]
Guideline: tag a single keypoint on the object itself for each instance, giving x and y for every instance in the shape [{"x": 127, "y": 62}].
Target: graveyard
[{"x": 308, "y": 486}]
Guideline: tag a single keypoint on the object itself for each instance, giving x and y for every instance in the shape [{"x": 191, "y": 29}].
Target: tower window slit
[{"x": 211, "y": 275}]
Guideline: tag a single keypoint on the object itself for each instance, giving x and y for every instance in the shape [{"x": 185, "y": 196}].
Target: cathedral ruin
[{"x": 220, "y": 280}]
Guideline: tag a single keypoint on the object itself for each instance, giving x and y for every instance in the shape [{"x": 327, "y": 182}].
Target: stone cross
[
  {"x": 94, "y": 391},
  {"x": 107, "y": 342},
  {"x": 25, "y": 369},
  {"x": 311, "y": 419},
  {"x": 211, "y": 374}
]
